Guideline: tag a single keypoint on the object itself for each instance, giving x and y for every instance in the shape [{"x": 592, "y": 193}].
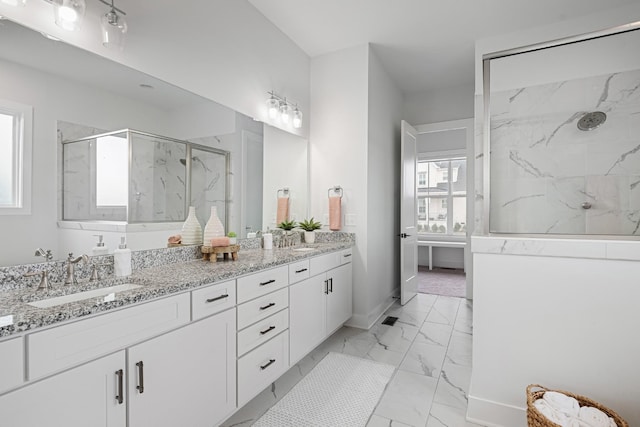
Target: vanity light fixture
[
  {"x": 114, "y": 27},
  {"x": 68, "y": 14},
  {"x": 280, "y": 108}
]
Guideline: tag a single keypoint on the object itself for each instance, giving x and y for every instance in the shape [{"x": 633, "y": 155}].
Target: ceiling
[{"x": 425, "y": 45}]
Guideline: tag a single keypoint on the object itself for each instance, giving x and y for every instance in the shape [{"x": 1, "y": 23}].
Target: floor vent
[{"x": 390, "y": 320}]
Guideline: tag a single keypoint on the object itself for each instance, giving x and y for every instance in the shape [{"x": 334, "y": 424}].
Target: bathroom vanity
[{"x": 189, "y": 346}]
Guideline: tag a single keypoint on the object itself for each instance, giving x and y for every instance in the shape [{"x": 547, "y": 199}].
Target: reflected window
[
  {"x": 442, "y": 199},
  {"x": 112, "y": 170},
  {"x": 15, "y": 158}
]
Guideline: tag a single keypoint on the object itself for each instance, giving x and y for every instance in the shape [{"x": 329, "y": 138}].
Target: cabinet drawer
[
  {"x": 253, "y": 311},
  {"x": 68, "y": 345},
  {"x": 322, "y": 263},
  {"x": 213, "y": 299},
  {"x": 298, "y": 271},
  {"x": 262, "y": 366},
  {"x": 346, "y": 256},
  {"x": 262, "y": 331},
  {"x": 12, "y": 366},
  {"x": 258, "y": 284}
]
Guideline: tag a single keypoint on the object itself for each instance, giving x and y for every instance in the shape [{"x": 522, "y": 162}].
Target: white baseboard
[
  {"x": 494, "y": 414},
  {"x": 366, "y": 321}
]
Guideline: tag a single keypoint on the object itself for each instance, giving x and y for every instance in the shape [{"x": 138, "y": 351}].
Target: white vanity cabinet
[
  {"x": 88, "y": 395},
  {"x": 321, "y": 304},
  {"x": 11, "y": 363},
  {"x": 185, "y": 377}
]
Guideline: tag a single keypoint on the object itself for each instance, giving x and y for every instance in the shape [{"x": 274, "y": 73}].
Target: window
[
  {"x": 15, "y": 158},
  {"x": 422, "y": 179},
  {"x": 442, "y": 201}
]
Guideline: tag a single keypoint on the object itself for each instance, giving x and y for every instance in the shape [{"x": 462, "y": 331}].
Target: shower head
[{"x": 592, "y": 120}]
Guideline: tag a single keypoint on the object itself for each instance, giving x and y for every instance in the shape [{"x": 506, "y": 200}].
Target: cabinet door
[
  {"x": 83, "y": 396},
  {"x": 339, "y": 300},
  {"x": 185, "y": 377},
  {"x": 306, "y": 315}
]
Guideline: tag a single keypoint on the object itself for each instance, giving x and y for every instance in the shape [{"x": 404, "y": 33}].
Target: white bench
[{"x": 439, "y": 244}]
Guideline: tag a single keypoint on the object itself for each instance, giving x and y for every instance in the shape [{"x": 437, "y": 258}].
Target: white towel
[
  {"x": 550, "y": 413},
  {"x": 562, "y": 403},
  {"x": 594, "y": 417},
  {"x": 576, "y": 422}
]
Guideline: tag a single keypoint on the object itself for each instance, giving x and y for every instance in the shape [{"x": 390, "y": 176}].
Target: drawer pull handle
[
  {"x": 140, "y": 386},
  {"x": 267, "y": 282},
  {"x": 326, "y": 287},
  {"x": 266, "y": 331},
  {"x": 218, "y": 298},
  {"x": 346, "y": 255},
  {"x": 271, "y": 361},
  {"x": 264, "y": 307},
  {"x": 331, "y": 285},
  {"x": 120, "y": 396},
  {"x": 300, "y": 271}
]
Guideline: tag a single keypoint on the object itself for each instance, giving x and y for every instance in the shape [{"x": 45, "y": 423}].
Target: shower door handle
[{"x": 404, "y": 235}]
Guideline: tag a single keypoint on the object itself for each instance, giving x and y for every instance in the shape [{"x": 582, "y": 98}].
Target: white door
[
  {"x": 307, "y": 315},
  {"x": 185, "y": 377},
  {"x": 89, "y": 395},
  {"x": 408, "y": 221},
  {"x": 339, "y": 298}
]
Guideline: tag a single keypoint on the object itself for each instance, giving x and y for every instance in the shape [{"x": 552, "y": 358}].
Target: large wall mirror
[{"x": 74, "y": 94}]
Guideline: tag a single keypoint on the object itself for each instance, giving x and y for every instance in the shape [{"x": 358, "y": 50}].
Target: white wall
[
  {"x": 449, "y": 103},
  {"x": 338, "y": 143},
  {"x": 285, "y": 165},
  {"x": 563, "y": 322},
  {"x": 383, "y": 188},
  {"x": 224, "y": 50},
  {"x": 43, "y": 92}
]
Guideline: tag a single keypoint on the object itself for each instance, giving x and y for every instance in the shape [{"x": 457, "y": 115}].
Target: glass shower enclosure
[
  {"x": 565, "y": 153},
  {"x": 137, "y": 177}
]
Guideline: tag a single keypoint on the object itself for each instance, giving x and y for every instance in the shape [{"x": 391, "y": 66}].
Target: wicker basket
[{"x": 536, "y": 419}]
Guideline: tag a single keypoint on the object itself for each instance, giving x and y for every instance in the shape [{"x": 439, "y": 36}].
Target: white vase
[
  {"x": 214, "y": 227},
  {"x": 309, "y": 236},
  {"x": 191, "y": 229},
  {"x": 233, "y": 240}
]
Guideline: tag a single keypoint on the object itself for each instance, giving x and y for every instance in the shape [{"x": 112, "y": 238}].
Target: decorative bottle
[
  {"x": 214, "y": 227},
  {"x": 122, "y": 259},
  {"x": 191, "y": 229}
]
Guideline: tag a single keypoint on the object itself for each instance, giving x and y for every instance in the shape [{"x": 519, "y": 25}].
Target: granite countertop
[{"x": 16, "y": 316}]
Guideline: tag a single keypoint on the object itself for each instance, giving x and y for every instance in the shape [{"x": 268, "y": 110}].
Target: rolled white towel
[
  {"x": 577, "y": 422},
  {"x": 595, "y": 417},
  {"x": 550, "y": 413},
  {"x": 562, "y": 403}
]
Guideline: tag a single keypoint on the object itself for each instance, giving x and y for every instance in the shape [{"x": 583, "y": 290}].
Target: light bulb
[
  {"x": 272, "y": 107},
  {"x": 114, "y": 28},
  {"x": 14, "y": 2},
  {"x": 285, "y": 112},
  {"x": 297, "y": 118},
  {"x": 69, "y": 13}
]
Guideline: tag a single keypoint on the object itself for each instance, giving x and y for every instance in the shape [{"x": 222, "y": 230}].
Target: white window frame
[
  {"x": 445, "y": 155},
  {"x": 23, "y": 143}
]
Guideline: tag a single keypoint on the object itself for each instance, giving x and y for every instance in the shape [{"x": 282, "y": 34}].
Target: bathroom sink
[
  {"x": 304, "y": 249},
  {"x": 106, "y": 295}
]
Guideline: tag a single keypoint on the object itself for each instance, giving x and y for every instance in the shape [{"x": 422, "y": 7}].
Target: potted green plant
[
  {"x": 233, "y": 237},
  {"x": 287, "y": 225},
  {"x": 310, "y": 226}
]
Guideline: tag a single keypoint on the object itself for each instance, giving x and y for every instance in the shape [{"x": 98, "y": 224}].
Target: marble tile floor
[{"x": 430, "y": 346}]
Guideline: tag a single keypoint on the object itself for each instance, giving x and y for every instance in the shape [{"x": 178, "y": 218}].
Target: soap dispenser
[
  {"x": 100, "y": 248},
  {"x": 122, "y": 259}
]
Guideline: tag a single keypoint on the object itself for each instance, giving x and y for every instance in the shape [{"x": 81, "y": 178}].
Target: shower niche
[
  {"x": 564, "y": 153},
  {"x": 137, "y": 177}
]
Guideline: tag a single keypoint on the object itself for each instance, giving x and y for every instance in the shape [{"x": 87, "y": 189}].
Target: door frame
[{"x": 468, "y": 126}]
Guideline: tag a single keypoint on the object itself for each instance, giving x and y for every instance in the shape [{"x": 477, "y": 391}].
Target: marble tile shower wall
[
  {"x": 543, "y": 168},
  {"x": 157, "y": 184}
]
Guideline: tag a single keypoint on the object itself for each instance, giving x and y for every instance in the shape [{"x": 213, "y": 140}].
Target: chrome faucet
[
  {"x": 47, "y": 255},
  {"x": 70, "y": 279}
]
